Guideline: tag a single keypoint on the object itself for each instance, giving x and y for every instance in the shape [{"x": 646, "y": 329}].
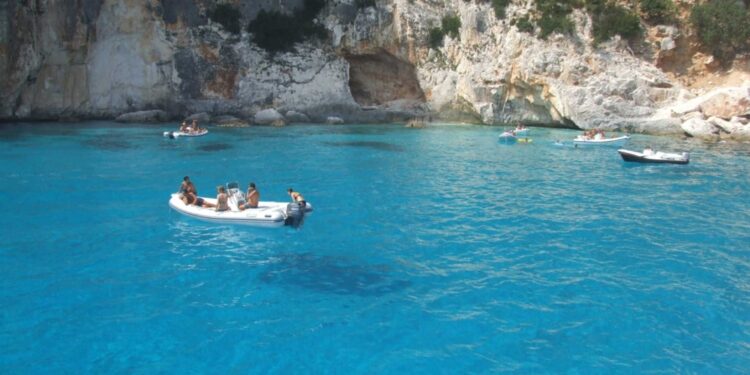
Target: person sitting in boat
[
  {"x": 648, "y": 151},
  {"x": 297, "y": 197},
  {"x": 183, "y": 127},
  {"x": 519, "y": 126},
  {"x": 187, "y": 191},
  {"x": 253, "y": 197},
  {"x": 196, "y": 128},
  {"x": 221, "y": 199}
]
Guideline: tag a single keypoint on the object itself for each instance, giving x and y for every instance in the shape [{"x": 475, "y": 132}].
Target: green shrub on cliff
[
  {"x": 611, "y": 20},
  {"x": 451, "y": 25},
  {"x": 435, "y": 39},
  {"x": 362, "y": 4},
  {"x": 524, "y": 24},
  {"x": 722, "y": 26},
  {"x": 275, "y": 31},
  {"x": 499, "y": 6},
  {"x": 554, "y": 17},
  {"x": 661, "y": 11},
  {"x": 227, "y": 16}
]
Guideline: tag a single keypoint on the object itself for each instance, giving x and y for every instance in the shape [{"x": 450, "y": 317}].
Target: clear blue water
[{"x": 431, "y": 251}]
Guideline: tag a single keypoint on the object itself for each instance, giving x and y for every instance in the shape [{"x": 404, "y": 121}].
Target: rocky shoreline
[{"x": 132, "y": 61}]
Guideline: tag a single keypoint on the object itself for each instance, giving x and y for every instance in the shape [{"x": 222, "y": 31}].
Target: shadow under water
[
  {"x": 107, "y": 143},
  {"x": 14, "y": 131},
  {"x": 331, "y": 275},
  {"x": 213, "y": 147},
  {"x": 375, "y": 145}
]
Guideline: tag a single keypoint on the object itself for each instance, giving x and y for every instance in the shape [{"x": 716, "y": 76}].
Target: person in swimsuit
[
  {"x": 297, "y": 197},
  {"x": 187, "y": 191},
  {"x": 253, "y": 197},
  {"x": 221, "y": 199}
]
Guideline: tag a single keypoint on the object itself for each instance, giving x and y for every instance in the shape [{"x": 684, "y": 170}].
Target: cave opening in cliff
[{"x": 379, "y": 78}]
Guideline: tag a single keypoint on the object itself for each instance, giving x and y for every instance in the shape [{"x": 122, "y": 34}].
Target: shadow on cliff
[{"x": 331, "y": 275}]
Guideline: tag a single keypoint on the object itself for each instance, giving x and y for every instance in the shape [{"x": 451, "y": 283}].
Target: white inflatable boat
[
  {"x": 184, "y": 134},
  {"x": 268, "y": 214},
  {"x": 649, "y": 156},
  {"x": 584, "y": 141},
  {"x": 507, "y": 137}
]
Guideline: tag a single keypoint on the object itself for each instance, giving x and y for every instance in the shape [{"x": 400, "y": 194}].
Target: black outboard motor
[
  {"x": 171, "y": 135},
  {"x": 295, "y": 214}
]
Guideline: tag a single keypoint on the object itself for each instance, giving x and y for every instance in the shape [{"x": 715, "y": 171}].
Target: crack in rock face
[{"x": 380, "y": 77}]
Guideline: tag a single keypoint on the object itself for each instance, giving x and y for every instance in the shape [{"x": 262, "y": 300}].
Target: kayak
[
  {"x": 654, "y": 157},
  {"x": 618, "y": 141},
  {"x": 183, "y": 134},
  {"x": 268, "y": 214}
]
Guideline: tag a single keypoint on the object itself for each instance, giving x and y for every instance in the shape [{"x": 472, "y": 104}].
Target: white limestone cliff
[{"x": 115, "y": 56}]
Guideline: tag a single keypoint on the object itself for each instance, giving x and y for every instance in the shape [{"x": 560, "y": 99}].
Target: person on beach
[
  {"x": 253, "y": 198},
  {"x": 297, "y": 197}
]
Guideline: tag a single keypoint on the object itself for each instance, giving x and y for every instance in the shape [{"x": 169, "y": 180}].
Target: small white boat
[
  {"x": 649, "y": 156},
  {"x": 508, "y": 137},
  {"x": 584, "y": 141},
  {"x": 268, "y": 214},
  {"x": 185, "y": 134}
]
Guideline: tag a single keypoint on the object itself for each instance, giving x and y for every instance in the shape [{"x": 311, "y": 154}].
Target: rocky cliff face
[{"x": 101, "y": 58}]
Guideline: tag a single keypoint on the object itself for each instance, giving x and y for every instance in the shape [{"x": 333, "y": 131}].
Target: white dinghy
[
  {"x": 507, "y": 137},
  {"x": 585, "y": 141},
  {"x": 268, "y": 214},
  {"x": 649, "y": 156},
  {"x": 185, "y": 134}
]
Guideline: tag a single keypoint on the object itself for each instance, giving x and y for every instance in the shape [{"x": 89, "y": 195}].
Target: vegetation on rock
[
  {"x": 276, "y": 32},
  {"x": 499, "y": 6},
  {"x": 723, "y": 26},
  {"x": 554, "y": 17},
  {"x": 524, "y": 24},
  {"x": 362, "y": 4},
  {"x": 659, "y": 11},
  {"x": 610, "y": 19},
  {"x": 227, "y": 16},
  {"x": 450, "y": 25},
  {"x": 435, "y": 39}
]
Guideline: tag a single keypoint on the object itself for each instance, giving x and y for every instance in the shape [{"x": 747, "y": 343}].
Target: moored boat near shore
[
  {"x": 649, "y": 156},
  {"x": 584, "y": 141}
]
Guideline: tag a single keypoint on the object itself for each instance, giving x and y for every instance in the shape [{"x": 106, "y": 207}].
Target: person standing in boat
[
  {"x": 253, "y": 198},
  {"x": 297, "y": 197}
]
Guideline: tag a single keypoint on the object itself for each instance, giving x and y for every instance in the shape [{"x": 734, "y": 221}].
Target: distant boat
[
  {"x": 184, "y": 134},
  {"x": 584, "y": 141},
  {"x": 508, "y": 137},
  {"x": 649, "y": 156}
]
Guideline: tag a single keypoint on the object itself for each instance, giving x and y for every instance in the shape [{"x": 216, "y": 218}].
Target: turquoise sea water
[{"x": 431, "y": 251}]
